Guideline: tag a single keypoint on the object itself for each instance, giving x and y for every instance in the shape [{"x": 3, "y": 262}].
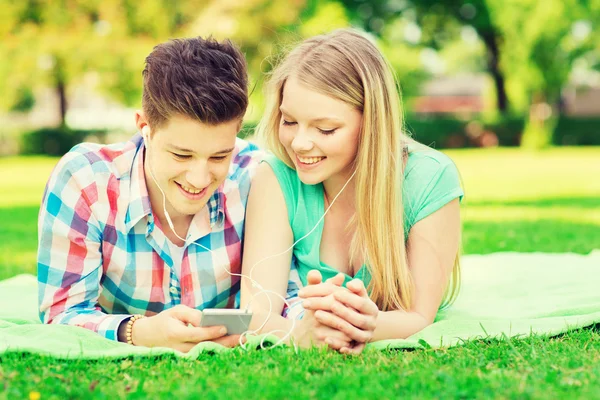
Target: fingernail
[
  {"x": 328, "y": 341},
  {"x": 306, "y": 303},
  {"x": 300, "y": 293},
  {"x": 223, "y": 331}
]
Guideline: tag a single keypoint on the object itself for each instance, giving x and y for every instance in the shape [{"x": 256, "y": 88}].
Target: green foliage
[
  {"x": 247, "y": 130},
  {"x": 539, "y": 41},
  {"x": 52, "y": 141},
  {"x": 531, "y": 46},
  {"x": 52, "y": 44},
  {"x": 577, "y": 131},
  {"x": 451, "y": 132},
  {"x": 528, "y": 47},
  {"x": 24, "y": 101}
]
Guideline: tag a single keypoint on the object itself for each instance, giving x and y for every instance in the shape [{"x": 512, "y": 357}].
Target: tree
[
  {"x": 542, "y": 44},
  {"x": 433, "y": 18},
  {"x": 531, "y": 45},
  {"x": 56, "y": 43}
]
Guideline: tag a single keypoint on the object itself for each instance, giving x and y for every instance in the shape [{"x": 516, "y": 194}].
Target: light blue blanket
[{"x": 512, "y": 294}]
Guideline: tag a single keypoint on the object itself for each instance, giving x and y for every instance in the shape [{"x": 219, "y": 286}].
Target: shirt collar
[
  {"x": 139, "y": 200},
  {"x": 216, "y": 206}
]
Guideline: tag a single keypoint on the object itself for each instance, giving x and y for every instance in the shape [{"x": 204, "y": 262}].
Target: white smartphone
[{"x": 236, "y": 321}]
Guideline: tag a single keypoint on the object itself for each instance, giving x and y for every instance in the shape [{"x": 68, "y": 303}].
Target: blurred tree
[
  {"x": 57, "y": 42},
  {"x": 404, "y": 55},
  {"x": 530, "y": 45},
  {"x": 47, "y": 42},
  {"x": 439, "y": 21},
  {"x": 542, "y": 42}
]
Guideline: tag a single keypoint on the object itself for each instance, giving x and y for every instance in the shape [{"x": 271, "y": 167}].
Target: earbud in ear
[{"x": 146, "y": 133}]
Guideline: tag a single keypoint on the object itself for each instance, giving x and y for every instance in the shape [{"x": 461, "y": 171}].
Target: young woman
[{"x": 361, "y": 205}]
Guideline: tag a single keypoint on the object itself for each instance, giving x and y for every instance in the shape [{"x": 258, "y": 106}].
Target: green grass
[{"x": 516, "y": 201}]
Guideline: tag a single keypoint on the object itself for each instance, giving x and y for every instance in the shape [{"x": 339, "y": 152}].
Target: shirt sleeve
[
  {"x": 287, "y": 179},
  {"x": 437, "y": 182},
  {"x": 70, "y": 250}
]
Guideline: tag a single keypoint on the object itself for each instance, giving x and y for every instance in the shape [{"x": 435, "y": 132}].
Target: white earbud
[{"x": 146, "y": 133}]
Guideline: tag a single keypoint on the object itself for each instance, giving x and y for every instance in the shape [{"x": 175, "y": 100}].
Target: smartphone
[{"x": 236, "y": 321}]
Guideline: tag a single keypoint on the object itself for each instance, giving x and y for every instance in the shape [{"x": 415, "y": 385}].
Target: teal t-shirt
[{"x": 431, "y": 180}]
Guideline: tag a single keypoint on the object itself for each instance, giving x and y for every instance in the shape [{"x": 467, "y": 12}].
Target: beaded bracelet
[{"x": 129, "y": 328}]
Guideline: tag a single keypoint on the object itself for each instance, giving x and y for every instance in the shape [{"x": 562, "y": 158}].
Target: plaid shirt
[{"x": 101, "y": 256}]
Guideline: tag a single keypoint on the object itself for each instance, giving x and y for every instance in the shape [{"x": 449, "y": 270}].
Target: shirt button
[{"x": 173, "y": 290}]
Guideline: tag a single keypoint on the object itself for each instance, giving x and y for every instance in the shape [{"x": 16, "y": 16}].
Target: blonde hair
[{"x": 347, "y": 66}]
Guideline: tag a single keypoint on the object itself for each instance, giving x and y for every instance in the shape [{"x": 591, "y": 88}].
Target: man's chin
[
  {"x": 182, "y": 206},
  {"x": 191, "y": 209}
]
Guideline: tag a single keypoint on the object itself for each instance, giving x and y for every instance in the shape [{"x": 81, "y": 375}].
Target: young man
[{"x": 113, "y": 217}]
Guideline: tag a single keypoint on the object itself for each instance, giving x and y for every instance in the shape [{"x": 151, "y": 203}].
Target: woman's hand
[
  {"x": 349, "y": 311},
  {"x": 309, "y": 331}
]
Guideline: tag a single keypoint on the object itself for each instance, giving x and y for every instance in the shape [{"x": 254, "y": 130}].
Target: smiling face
[
  {"x": 188, "y": 160},
  {"x": 320, "y": 133}
]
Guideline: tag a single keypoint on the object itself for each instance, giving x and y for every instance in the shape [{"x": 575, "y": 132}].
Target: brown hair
[{"x": 202, "y": 79}]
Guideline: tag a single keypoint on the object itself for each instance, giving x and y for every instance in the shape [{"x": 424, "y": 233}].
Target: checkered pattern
[
  {"x": 103, "y": 257},
  {"x": 295, "y": 309}
]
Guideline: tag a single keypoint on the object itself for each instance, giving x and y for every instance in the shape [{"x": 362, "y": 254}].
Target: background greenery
[{"x": 531, "y": 51}]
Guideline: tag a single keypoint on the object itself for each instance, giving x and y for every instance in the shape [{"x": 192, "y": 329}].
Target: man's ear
[
  {"x": 141, "y": 122},
  {"x": 146, "y": 133}
]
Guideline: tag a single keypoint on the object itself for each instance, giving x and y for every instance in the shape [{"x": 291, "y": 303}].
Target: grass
[{"x": 516, "y": 201}]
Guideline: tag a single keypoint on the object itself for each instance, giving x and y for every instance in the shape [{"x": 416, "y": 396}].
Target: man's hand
[{"x": 170, "y": 328}]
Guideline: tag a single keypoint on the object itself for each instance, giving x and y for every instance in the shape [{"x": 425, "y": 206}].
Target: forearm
[{"x": 398, "y": 324}]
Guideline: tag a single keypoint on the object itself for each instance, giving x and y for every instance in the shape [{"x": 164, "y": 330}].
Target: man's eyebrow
[
  {"x": 181, "y": 149},
  {"x": 184, "y": 150}
]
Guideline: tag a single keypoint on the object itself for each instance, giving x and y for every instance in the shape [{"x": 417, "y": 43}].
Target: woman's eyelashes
[
  {"x": 323, "y": 131},
  {"x": 327, "y": 131}
]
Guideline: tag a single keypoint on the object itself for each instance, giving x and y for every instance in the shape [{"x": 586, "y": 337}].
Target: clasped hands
[{"x": 344, "y": 319}]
